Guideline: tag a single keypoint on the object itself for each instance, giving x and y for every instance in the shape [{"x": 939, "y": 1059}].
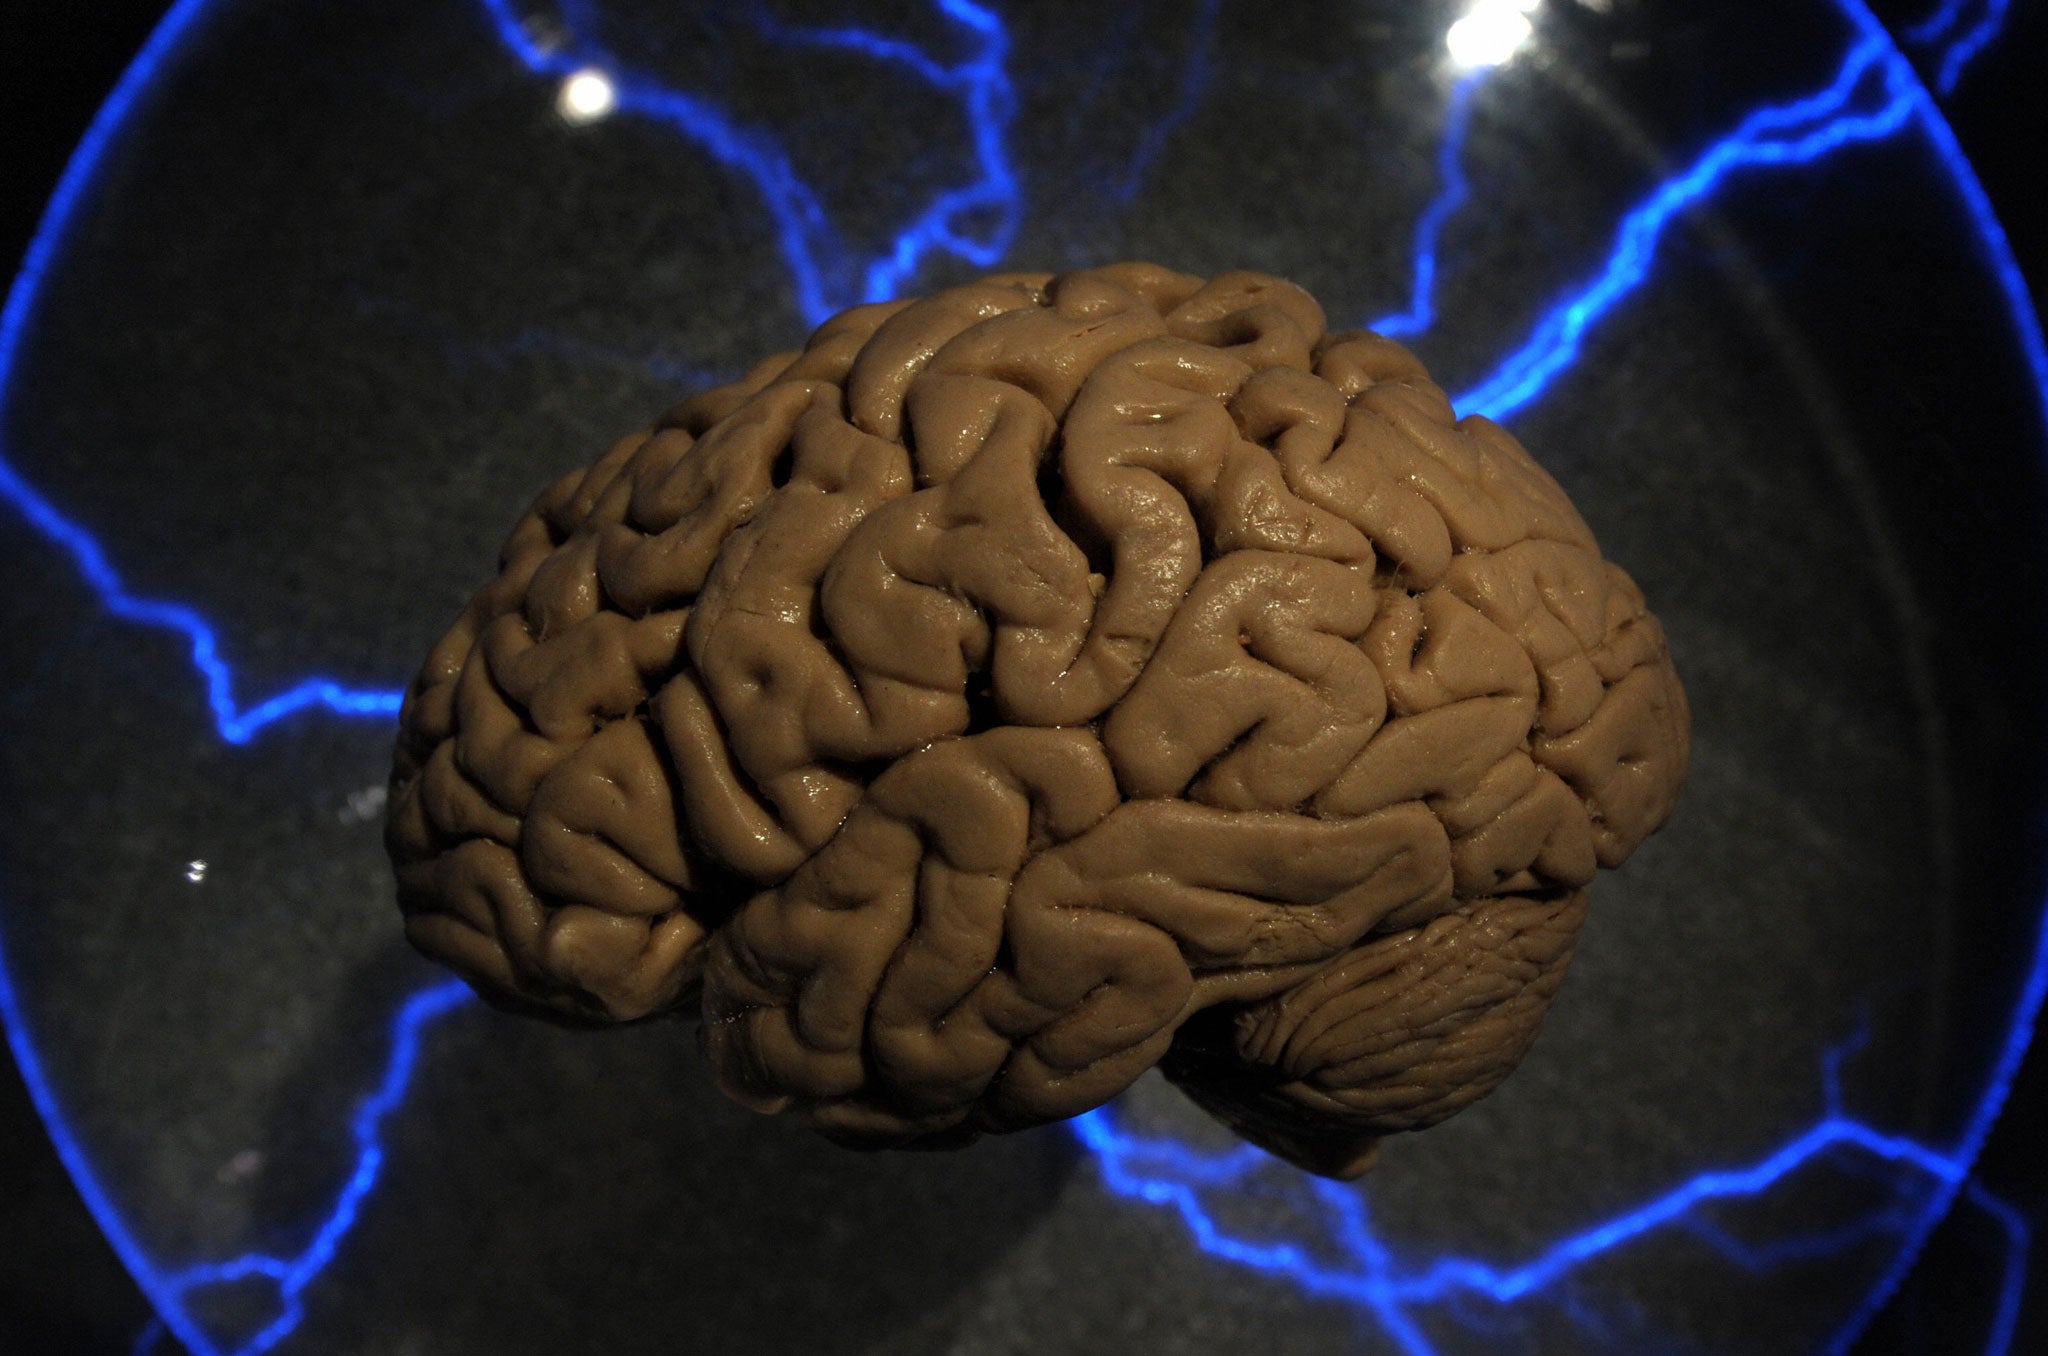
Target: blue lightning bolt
[
  {"x": 1792, "y": 134},
  {"x": 1166, "y": 1173},
  {"x": 292, "y": 1274},
  {"x": 1761, "y": 1258},
  {"x": 981, "y": 81},
  {"x": 1939, "y": 24},
  {"x": 1942, "y": 24},
  {"x": 2012, "y": 1282},
  {"x": 1795, "y": 134},
  {"x": 1453, "y": 189},
  {"x": 1160, "y": 1172},
  {"x": 235, "y": 723},
  {"x": 809, "y": 245},
  {"x": 1194, "y": 82}
]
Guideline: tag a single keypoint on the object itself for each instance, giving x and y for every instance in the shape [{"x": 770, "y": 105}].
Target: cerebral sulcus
[{"x": 1030, "y": 684}]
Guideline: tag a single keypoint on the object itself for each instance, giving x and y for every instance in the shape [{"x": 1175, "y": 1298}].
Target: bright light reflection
[
  {"x": 1490, "y": 33},
  {"x": 586, "y": 96}
]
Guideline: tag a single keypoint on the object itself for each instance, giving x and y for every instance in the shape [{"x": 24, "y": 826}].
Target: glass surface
[{"x": 346, "y": 284}]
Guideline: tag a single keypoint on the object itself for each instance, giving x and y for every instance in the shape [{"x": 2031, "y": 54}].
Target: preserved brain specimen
[{"x": 1035, "y": 682}]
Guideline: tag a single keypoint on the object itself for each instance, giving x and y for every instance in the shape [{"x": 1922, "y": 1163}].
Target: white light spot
[
  {"x": 362, "y": 805},
  {"x": 195, "y": 870},
  {"x": 586, "y": 96},
  {"x": 1490, "y": 33},
  {"x": 244, "y": 1164}
]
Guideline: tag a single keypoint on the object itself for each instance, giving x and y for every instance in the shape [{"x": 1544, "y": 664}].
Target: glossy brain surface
[{"x": 1035, "y": 682}]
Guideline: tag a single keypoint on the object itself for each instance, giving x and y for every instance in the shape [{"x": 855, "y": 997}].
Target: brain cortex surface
[{"x": 1033, "y": 683}]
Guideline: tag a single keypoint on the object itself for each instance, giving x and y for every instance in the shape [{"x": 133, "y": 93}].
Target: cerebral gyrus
[{"x": 1033, "y": 683}]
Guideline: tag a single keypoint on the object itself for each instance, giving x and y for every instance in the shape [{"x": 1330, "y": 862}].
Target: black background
[{"x": 63, "y": 1290}]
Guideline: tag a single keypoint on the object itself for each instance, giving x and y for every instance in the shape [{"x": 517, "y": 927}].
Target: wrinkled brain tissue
[{"x": 1038, "y": 681}]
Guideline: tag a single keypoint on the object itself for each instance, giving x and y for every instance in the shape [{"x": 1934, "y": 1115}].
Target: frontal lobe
[
  {"x": 534, "y": 808},
  {"x": 1036, "y": 682}
]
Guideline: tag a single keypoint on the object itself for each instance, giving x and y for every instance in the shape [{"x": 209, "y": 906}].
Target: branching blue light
[
  {"x": 235, "y": 724},
  {"x": 1972, "y": 44},
  {"x": 1160, "y": 1172},
  {"x": 2027, "y": 328},
  {"x": 810, "y": 246},
  {"x": 292, "y": 1274},
  {"x": 1795, "y": 134},
  {"x": 1939, "y": 24},
  {"x": 1965, "y": 49},
  {"x": 2013, "y": 1277},
  {"x": 983, "y": 84},
  {"x": 1164, "y": 1173},
  {"x": 1453, "y": 188},
  {"x": 1777, "y": 1253},
  {"x": 57, "y": 218},
  {"x": 863, "y": 41}
]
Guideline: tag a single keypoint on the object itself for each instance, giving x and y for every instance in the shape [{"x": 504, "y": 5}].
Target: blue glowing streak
[
  {"x": 1194, "y": 83},
  {"x": 1794, "y": 134},
  {"x": 864, "y": 42},
  {"x": 2013, "y": 1280},
  {"x": 234, "y": 723},
  {"x": 1555, "y": 346},
  {"x": 1167, "y": 1174},
  {"x": 292, "y": 1274},
  {"x": 1454, "y": 188},
  {"x": 1164, "y": 1172},
  {"x": 42, "y": 249},
  {"x": 1971, "y": 44},
  {"x": 1374, "y": 1279},
  {"x": 1998, "y": 250},
  {"x": 2019, "y": 304},
  {"x": 70, "y": 1151},
  {"x": 809, "y": 244},
  {"x": 1937, "y": 25},
  {"x": 1761, "y": 1258},
  {"x": 1838, "y": 1054}
]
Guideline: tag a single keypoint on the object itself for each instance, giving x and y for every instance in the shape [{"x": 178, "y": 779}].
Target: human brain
[{"x": 1033, "y": 683}]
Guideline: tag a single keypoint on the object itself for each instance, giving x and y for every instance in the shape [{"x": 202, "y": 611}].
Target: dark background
[{"x": 63, "y": 1290}]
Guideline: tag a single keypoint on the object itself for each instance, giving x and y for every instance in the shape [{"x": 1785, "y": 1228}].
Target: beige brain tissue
[{"x": 1032, "y": 683}]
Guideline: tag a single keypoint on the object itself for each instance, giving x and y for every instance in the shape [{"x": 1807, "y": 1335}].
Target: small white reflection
[
  {"x": 243, "y": 1165},
  {"x": 586, "y": 96},
  {"x": 195, "y": 870},
  {"x": 363, "y": 805},
  {"x": 1490, "y": 33}
]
